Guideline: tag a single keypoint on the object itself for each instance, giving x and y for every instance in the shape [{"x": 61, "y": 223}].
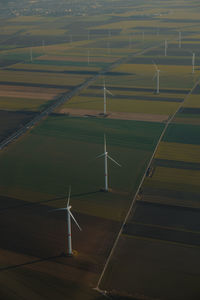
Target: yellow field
[
  {"x": 176, "y": 176},
  {"x": 42, "y": 78},
  {"x": 192, "y": 101},
  {"x": 53, "y": 67},
  {"x": 180, "y": 152},
  {"x": 46, "y": 32}
]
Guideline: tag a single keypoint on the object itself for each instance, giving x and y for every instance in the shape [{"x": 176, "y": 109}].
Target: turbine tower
[
  {"x": 193, "y": 63},
  {"x": 105, "y": 91},
  {"x": 179, "y": 39},
  {"x": 88, "y": 57},
  {"x": 157, "y": 75},
  {"x": 31, "y": 54},
  {"x": 43, "y": 45},
  {"x": 165, "y": 47},
  {"x": 143, "y": 36},
  {"x": 106, "y": 157},
  {"x": 69, "y": 216}
]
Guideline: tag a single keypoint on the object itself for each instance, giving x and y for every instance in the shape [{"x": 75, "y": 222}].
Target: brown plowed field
[{"x": 29, "y": 92}]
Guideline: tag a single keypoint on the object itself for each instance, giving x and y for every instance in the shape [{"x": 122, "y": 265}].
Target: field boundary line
[{"x": 141, "y": 182}]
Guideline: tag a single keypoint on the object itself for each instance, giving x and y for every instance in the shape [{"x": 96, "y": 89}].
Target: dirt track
[{"x": 115, "y": 115}]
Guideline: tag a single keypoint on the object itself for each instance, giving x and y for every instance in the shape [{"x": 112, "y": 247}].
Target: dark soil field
[
  {"x": 32, "y": 251},
  {"x": 11, "y": 121},
  {"x": 159, "y": 269}
]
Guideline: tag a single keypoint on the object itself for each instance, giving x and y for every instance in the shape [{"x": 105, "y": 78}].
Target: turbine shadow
[
  {"x": 32, "y": 204},
  {"x": 32, "y": 262}
]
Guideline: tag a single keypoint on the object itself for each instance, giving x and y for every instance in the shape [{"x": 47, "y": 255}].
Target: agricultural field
[
  {"x": 39, "y": 182},
  {"x": 55, "y": 58}
]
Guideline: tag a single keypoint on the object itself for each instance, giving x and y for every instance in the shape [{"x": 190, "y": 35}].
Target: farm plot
[
  {"x": 122, "y": 105},
  {"x": 174, "y": 77},
  {"x": 168, "y": 260},
  {"x": 178, "y": 152},
  {"x": 41, "y": 78},
  {"x": 76, "y": 58},
  {"x": 69, "y": 128},
  {"x": 26, "y": 98},
  {"x": 10, "y": 121},
  {"x": 37, "y": 172},
  {"x": 54, "y": 68},
  {"x": 180, "y": 133},
  {"x": 175, "y": 180}
]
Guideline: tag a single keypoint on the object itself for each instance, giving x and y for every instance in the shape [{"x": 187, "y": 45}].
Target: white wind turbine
[
  {"x": 43, "y": 45},
  {"x": 105, "y": 91},
  {"x": 166, "y": 46},
  {"x": 31, "y": 54},
  {"x": 69, "y": 216},
  {"x": 179, "y": 39},
  {"x": 193, "y": 63},
  {"x": 157, "y": 75},
  {"x": 106, "y": 157},
  {"x": 88, "y": 57}
]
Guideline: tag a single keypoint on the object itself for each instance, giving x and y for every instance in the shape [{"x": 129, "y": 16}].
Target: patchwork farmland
[{"x": 140, "y": 240}]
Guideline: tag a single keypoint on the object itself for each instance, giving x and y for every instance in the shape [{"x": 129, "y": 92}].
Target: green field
[
  {"x": 8, "y": 103},
  {"x": 73, "y": 144}
]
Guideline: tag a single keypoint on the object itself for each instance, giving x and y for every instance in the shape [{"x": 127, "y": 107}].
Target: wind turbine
[
  {"x": 193, "y": 63},
  {"x": 157, "y": 75},
  {"x": 31, "y": 54},
  {"x": 106, "y": 157},
  {"x": 130, "y": 42},
  {"x": 166, "y": 46},
  {"x": 179, "y": 39},
  {"x": 43, "y": 45},
  {"x": 108, "y": 47},
  {"x": 69, "y": 216},
  {"x": 105, "y": 91},
  {"x": 143, "y": 36},
  {"x": 88, "y": 57}
]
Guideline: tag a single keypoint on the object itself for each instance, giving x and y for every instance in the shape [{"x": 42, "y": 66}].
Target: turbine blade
[
  {"x": 155, "y": 65},
  {"x": 114, "y": 161},
  {"x": 57, "y": 209},
  {"x": 154, "y": 76},
  {"x": 69, "y": 195},
  {"x": 107, "y": 91},
  {"x": 101, "y": 155},
  {"x": 74, "y": 220}
]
